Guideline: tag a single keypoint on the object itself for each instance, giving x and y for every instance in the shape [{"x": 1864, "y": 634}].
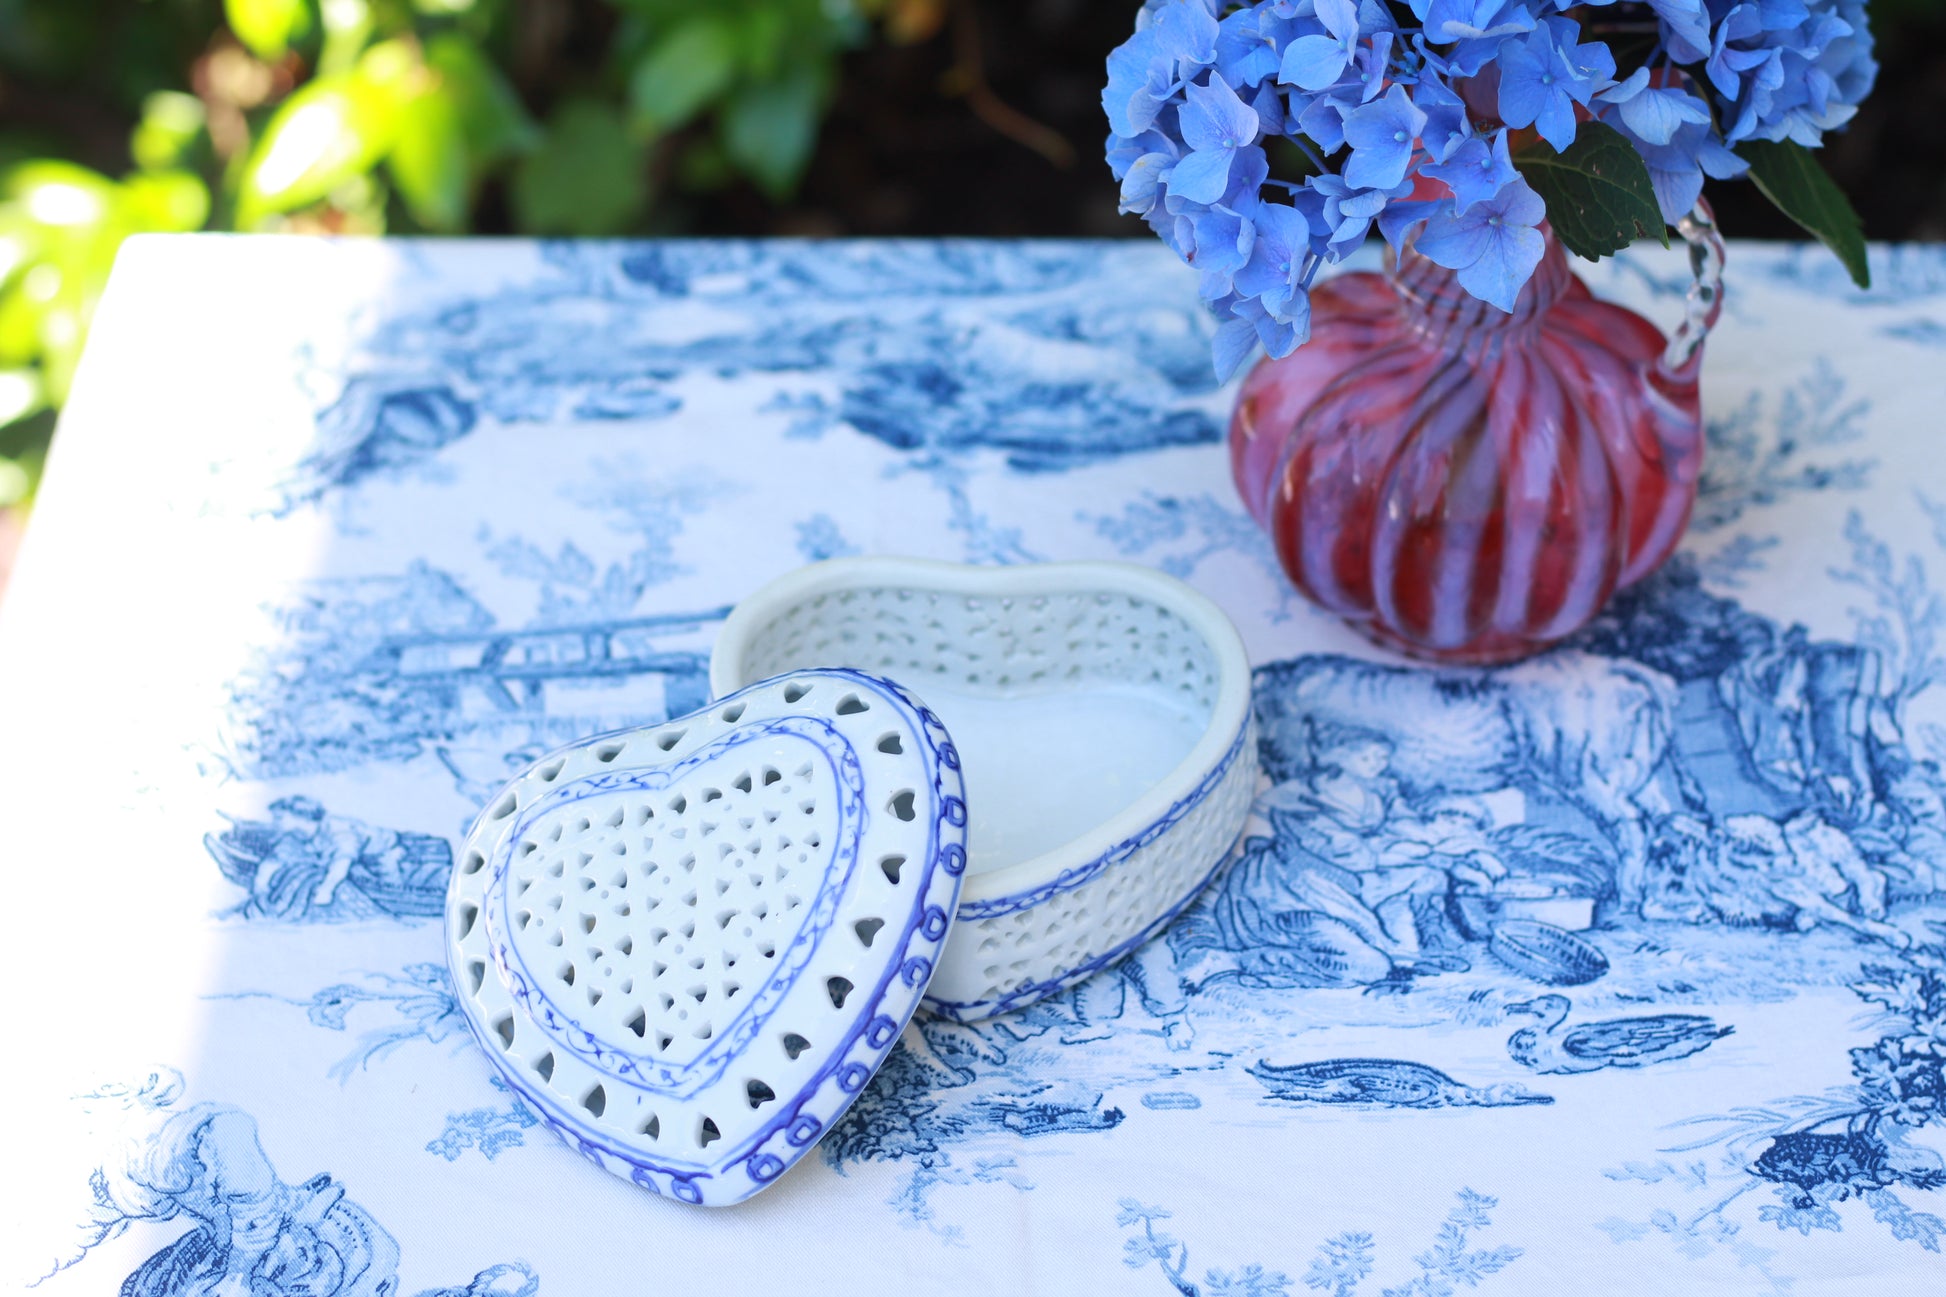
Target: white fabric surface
[{"x": 336, "y": 531}]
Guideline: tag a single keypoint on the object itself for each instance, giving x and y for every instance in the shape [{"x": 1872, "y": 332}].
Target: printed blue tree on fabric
[{"x": 1438, "y": 119}]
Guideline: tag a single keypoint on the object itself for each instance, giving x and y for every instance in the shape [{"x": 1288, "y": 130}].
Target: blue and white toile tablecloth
[{"x": 339, "y": 533}]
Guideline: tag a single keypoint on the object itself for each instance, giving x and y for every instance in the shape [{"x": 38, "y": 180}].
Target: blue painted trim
[
  {"x": 976, "y": 1010},
  {"x": 1069, "y": 879}
]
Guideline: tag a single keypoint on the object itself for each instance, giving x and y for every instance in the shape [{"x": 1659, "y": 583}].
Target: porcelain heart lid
[{"x": 690, "y": 946}]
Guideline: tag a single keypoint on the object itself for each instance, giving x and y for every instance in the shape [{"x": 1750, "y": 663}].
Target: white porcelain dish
[{"x": 1102, "y": 715}]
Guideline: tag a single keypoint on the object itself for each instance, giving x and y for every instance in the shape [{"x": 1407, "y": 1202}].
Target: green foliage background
[{"x": 563, "y": 117}]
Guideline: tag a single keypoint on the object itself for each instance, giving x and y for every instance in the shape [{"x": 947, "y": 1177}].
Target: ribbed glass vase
[{"x": 1471, "y": 485}]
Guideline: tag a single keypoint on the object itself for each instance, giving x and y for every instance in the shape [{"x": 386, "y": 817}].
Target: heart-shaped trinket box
[
  {"x": 1103, "y": 713},
  {"x": 688, "y": 947}
]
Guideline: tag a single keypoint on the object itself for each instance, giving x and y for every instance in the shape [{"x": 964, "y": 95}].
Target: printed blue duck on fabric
[{"x": 1600, "y": 859}]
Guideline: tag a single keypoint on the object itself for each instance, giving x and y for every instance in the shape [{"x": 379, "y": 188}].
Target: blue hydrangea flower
[
  {"x": 1653, "y": 114},
  {"x": 1314, "y": 62},
  {"x": 1546, "y": 74},
  {"x": 1348, "y": 212},
  {"x": 1494, "y": 245},
  {"x": 1787, "y": 69},
  {"x": 1376, "y": 94},
  {"x": 1458, "y": 20},
  {"x": 1281, "y": 261},
  {"x": 1382, "y": 135},
  {"x": 1215, "y": 125},
  {"x": 1448, "y": 125},
  {"x": 1476, "y": 171}
]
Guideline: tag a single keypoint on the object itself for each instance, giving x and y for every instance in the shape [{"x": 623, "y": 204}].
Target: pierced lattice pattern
[
  {"x": 1031, "y": 927},
  {"x": 992, "y": 642},
  {"x": 607, "y": 901}
]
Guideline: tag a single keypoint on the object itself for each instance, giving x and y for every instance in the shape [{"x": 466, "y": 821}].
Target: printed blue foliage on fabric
[
  {"x": 420, "y": 997},
  {"x": 491, "y": 1130},
  {"x": 204, "y": 1164},
  {"x": 1341, "y": 1266},
  {"x": 1054, "y": 356},
  {"x": 1759, "y": 455}
]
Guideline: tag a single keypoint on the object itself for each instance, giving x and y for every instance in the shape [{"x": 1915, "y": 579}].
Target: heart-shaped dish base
[
  {"x": 690, "y": 946},
  {"x": 1103, "y": 711}
]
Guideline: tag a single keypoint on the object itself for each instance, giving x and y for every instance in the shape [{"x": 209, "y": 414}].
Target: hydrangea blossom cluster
[{"x": 1403, "y": 111}]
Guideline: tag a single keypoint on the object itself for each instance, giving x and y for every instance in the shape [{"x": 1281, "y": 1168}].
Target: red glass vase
[{"x": 1469, "y": 485}]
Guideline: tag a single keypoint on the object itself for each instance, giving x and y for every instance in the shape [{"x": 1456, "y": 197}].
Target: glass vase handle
[{"x": 1703, "y": 304}]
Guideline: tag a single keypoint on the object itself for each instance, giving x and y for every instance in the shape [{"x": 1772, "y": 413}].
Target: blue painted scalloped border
[
  {"x": 1069, "y": 879},
  {"x": 945, "y": 865}
]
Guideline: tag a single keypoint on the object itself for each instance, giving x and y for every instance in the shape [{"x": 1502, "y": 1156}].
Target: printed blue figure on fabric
[
  {"x": 305, "y": 865},
  {"x": 1341, "y": 1266},
  {"x": 250, "y": 1229},
  {"x": 819, "y": 538},
  {"x": 1690, "y": 777},
  {"x": 1055, "y": 357}
]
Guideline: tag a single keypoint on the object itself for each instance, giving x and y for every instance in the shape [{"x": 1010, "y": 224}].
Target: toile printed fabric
[{"x": 1619, "y": 970}]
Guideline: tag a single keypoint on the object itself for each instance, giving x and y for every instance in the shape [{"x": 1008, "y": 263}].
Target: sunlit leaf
[
  {"x": 770, "y": 130},
  {"x": 20, "y": 394},
  {"x": 15, "y": 482},
  {"x": 60, "y": 195},
  {"x": 587, "y": 178},
  {"x": 20, "y": 327},
  {"x": 329, "y": 131},
  {"x": 347, "y": 26},
  {"x": 168, "y": 202},
  {"x": 268, "y": 27},
  {"x": 683, "y": 72},
  {"x": 171, "y": 124},
  {"x": 429, "y": 161}
]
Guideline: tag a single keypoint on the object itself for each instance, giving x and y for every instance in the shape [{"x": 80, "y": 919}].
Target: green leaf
[
  {"x": 333, "y": 129},
  {"x": 770, "y": 130},
  {"x": 683, "y": 73},
  {"x": 1598, "y": 194},
  {"x": 171, "y": 124},
  {"x": 60, "y": 195},
  {"x": 587, "y": 178},
  {"x": 1803, "y": 190},
  {"x": 429, "y": 160},
  {"x": 495, "y": 121},
  {"x": 267, "y": 27},
  {"x": 164, "y": 202}
]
